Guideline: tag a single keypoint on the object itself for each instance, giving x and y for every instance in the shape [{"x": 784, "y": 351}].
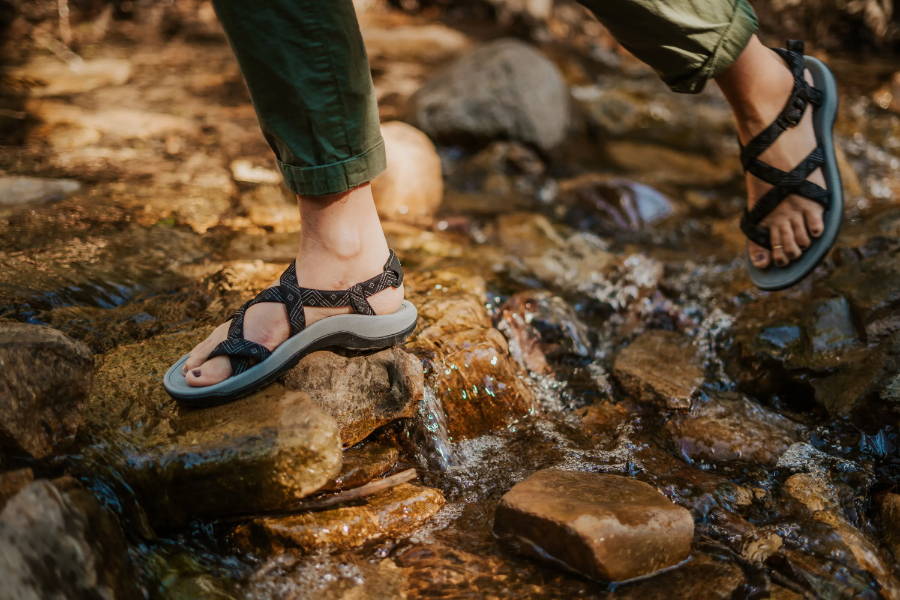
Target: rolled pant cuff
[
  {"x": 742, "y": 27},
  {"x": 337, "y": 177}
]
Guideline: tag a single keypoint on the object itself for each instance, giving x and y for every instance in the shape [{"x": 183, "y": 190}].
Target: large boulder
[
  {"x": 57, "y": 541},
  {"x": 362, "y": 393},
  {"x": 603, "y": 526},
  {"x": 412, "y": 186},
  {"x": 44, "y": 377},
  {"x": 504, "y": 89}
]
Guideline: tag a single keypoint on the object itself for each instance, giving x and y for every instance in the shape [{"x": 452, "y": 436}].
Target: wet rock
[
  {"x": 362, "y": 464},
  {"x": 503, "y": 89},
  {"x": 299, "y": 578},
  {"x": 888, "y": 96},
  {"x": 412, "y": 186},
  {"x": 603, "y": 526},
  {"x": 608, "y": 205},
  {"x": 889, "y": 514},
  {"x": 13, "y": 481},
  {"x": 872, "y": 285},
  {"x": 122, "y": 123},
  {"x": 662, "y": 165},
  {"x": 703, "y": 577},
  {"x": 44, "y": 378},
  {"x": 833, "y": 327},
  {"x": 856, "y": 383},
  {"x": 470, "y": 369},
  {"x": 660, "y": 366},
  {"x": 362, "y": 393},
  {"x": 272, "y": 207},
  {"x": 733, "y": 427},
  {"x": 52, "y": 77},
  {"x": 392, "y": 514},
  {"x": 57, "y": 541},
  {"x": 19, "y": 190},
  {"x": 541, "y": 326},
  {"x": 264, "y": 452}
]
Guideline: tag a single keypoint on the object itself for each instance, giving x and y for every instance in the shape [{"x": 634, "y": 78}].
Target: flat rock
[
  {"x": 18, "y": 190},
  {"x": 52, "y": 77},
  {"x": 392, "y": 514},
  {"x": 504, "y": 89},
  {"x": 57, "y": 541},
  {"x": 264, "y": 452},
  {"x": 362, "y": 393},
  {"x": 660, "y": 366},
  {"x": 733, "y": 427},
  {"x": 44, "y": 378},
  {"x": 412, "y": 187},
  {"x": 606, "y": 527},
  {"x": 362, "y": 464}
]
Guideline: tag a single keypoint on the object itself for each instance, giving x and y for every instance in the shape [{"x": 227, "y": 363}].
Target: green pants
[{"x": 306, "y": 67}]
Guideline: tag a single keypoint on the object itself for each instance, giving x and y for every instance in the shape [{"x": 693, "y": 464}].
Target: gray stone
[
  {"x": 18, "y": 190},
  {"x": 833, "y": 327},
  {"x": 603, "y": 526},
  {"x": 505, "y": 89},
  {"x": 57, "y": 541},
  {"x": 44, "y": 378}
]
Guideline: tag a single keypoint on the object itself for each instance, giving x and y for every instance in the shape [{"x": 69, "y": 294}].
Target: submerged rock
[
  {"x": 412, "y": 187},
  {"x": 19, "y": 190},
  {"x": 57, "y": 541},
  {"x": 504, "y": 89},
  {"x": 733, "y": 427},
  {"x": 44, "y": 378},
  {"x": 660, "y": 366},
  {"x": 263, "y": 452},
  {"x": 362, "y": 393},
  {"x": 392, "y": 514},
  {"x": 606, "y": 527},
  {"x": 362, "y": 464},
  {"x": 609, "y": 205}
]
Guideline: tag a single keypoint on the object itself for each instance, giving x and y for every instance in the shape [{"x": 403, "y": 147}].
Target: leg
[
  {"x": 689, "y": 42},
  {"x": 306, "y": 68}
]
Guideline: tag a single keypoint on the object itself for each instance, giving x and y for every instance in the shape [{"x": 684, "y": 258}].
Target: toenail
[
  {"x": 759, "y": 258},
  {"x": 196, "y": 372}
]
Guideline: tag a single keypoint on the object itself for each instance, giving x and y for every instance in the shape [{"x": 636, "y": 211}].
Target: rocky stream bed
[{"x": 587, "y": 334}]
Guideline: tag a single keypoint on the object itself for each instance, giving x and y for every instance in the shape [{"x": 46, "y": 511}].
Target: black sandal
[
  {"x": 823, "y": 97},
  {"x": 254, "y": 366}
]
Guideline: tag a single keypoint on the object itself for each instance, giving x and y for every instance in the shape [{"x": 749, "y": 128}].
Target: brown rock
[
  {"x": 704, "y": 577},
  {"x": 660, "y": 366},
  {"x": 13, "y": 481},
  {"x": 362, "y": 393},
  {"x": 889, "y": 511},
  {"x": 412, "y": 186},
  {"x": 417, "y": 43},
  {"x": 44, "y": 377},
  {"x": 271, "y": 207},
  {"x": 264, "y": 452},
  {"x": 57, "y": 541},
  {"x": 603, "y": 526},
  {"x": 53, "y": 77},
  {"x": 362, "y": 464},
  {"x": 392, "y": 514},
  {"x": 733, "y": 427}
]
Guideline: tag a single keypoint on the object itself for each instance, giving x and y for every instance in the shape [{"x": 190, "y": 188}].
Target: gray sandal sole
[
  {"x": 351, "y": 332},
  {"x": 778, "y": 278}
]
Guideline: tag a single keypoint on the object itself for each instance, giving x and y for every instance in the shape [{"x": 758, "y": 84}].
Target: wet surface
[{"x": 535, "y": 275}]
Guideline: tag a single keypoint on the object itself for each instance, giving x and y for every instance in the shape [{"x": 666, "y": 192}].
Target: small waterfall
[{"x": 428, "y": 434}]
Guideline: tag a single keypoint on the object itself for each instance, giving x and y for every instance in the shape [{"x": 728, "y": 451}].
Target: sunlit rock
[
  {"x": 363, "y": 463},
  {"x": 44, "y": 378},
  {"x": 431, "y": 42},
  {"x": 504, "y": 89},
  {"x": 412, "y": 186},
  {"x": 362, "y": 392},
  {"x": 57, "y": 541},
  {"x": 732, "y": 427},
  {"x": 263, "y": 452},
  {"x": 271, "y": 207},
  {"x": 52, "y": 77},
  {"x": 392, "y": 514},
  {"x": 660, "y": 366},
  {"x": 889, "y": 513},
  {"x": 606, "y": 527}
]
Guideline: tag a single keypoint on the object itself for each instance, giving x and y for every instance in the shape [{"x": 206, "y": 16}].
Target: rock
[
  {"x": 872, "y": 286},
  {"x": 57, "y": 541},
  {"x": 264, "y": 452},
  {"x": 889, "y": 513},
  {"x": 392, "y": 514},
  {"x": 888, "y": 96},
  {"x": 504, "y": 89},
  {"x": 362, "y": 393},
  {"x": 609, "y": 205},
  {"x": 13, "y": 481},
  {"x": 470, "y": 369},
  {"x": 660, "y": 366},
  {"x": 833, "y": 327},
  {"x": 362, "y": 464},
  {"x": 271, "y": 207},
  {"x": 122, "y": 123},
  {"x": 19, "y": 190},
  {"x": 52, "y": 77},
  {"x": 703, "y": 577},
  {"x": 412, "y": 187},
  {"x": 44, "y": 378},
  {"x": 428, "y": 43},
  {"x": 603, "y": 526},
  {"x": 246, "y": 170},
  {"x": 732, "y": 427},
  {"x": 662, "y": 165}
]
